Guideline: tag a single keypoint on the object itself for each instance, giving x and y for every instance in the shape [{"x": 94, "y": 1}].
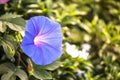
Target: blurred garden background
[{"x": 91, "y": 39}]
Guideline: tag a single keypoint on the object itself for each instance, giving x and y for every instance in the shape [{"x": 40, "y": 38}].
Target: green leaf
[
  {"x": 6, "y": 67},
  {"x": 15, "y": 27},
  {"x": 14, "y": 22},
  {"x": 13, "y": 19},
  {"x": 10, "y": 72},
  {"x": 21, "y": 74},
  {"x": 6, "y": 16},
  {"x": 8, "y": 49},
  {"x": 7, "y": 76},
  {"x": 41, "y": 74},
  {"x": 13, "y": 77},
  {"x": 85, "y": 27},
  {"x": 2, "y": 27},
  {"x": 3, "y": 69},
  {"x": 53, "y": 66},
  {"x": 9, "y": 45},
  {"x": 50, "y": 67}
]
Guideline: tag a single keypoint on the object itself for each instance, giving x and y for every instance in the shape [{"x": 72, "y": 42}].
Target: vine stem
[{"x": 20, "y": 60}]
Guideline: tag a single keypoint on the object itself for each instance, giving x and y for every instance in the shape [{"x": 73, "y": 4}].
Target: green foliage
[
  {"x": 10, "y": 72},
  {"x": 95, "y": 22},
  {"x": 14, "y": 22},
  {"x": 41, "y": 72}
]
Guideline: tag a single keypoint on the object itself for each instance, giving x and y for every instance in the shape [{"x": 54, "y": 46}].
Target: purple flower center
[{"x": 38, "y": 40}]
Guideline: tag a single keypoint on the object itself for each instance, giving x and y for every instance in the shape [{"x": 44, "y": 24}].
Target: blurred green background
[{"x": 91, "y": 35}]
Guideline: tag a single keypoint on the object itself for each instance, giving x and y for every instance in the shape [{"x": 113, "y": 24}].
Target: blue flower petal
[
  {"x": 37, "y": 57},
  {"x": 31, "y": 28},
  {"x": 54, "y": 35},
  {"x": 48, "y": 26},
  {"x": 46, "y": 54},
  {"x": 28, "y": 39},
  {"x": 39, "y": 24},
  {"x": 29, "y": 50},
  {"x": 43, "y": 40}
]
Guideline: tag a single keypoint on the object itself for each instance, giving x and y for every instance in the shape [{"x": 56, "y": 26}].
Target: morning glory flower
[
  {"x": 43, "y": 40},
  {"x": 3, "y": 1}
]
